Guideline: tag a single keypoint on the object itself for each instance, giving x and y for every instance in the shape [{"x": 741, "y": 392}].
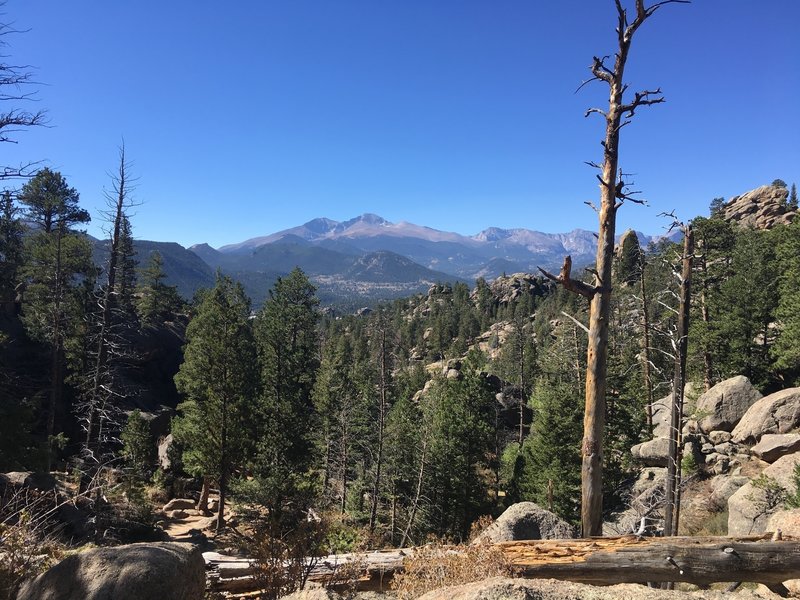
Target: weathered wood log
[
  {"x": 597, "y": 561},
  {"x": 697, "y": 560}
]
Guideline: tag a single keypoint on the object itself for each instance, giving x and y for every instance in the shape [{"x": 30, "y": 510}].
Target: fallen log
[
  {"x": 632, "y": 559},
  {"x": 596, "y": 561}
]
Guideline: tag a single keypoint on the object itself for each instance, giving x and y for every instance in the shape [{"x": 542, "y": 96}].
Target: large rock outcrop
[
  {"x": 774, "y": 445},
  {"x": 776, "y": 413},
  {"x": 723, "y": 406},
  {"x": 761, "y": 208},
  {"x": 526, "y": 521},
  {"x": 751, "y": 506},
  {"x": 162, "y": 571},
  {"x": 652, "y": 453}
]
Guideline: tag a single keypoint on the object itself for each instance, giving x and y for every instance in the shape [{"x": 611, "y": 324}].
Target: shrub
[{"x": 437, "y": 565}]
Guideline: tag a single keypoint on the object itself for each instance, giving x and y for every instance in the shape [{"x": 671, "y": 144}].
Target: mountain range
[{"x": 367, "y": 258}]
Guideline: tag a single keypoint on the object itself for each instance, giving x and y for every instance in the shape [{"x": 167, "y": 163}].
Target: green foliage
[
  {"x": 779, "y": 183},
  {"x": 716, "y": 206},
  {"x": 157, "y": 300},
  {"x": 11, "y": 230},
  {"x": 219, "y": 379},
  {"x": 689, "y": 465},
  {"x": 138, "y": 448},
  {"x": 786, "y": 350},
  {"x": 793, "y": 499},
  {"x": 552, "y": 460},
  {"x": 458, "y": 427},
  {"x": 287, "y": 341}
]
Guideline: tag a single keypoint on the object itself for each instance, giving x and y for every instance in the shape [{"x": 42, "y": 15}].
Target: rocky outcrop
[
  {"x": 500, "y": 588},
  {"x": 774, "y": 445},
  {"x": 510, "y": 288},
  {"x": 776, "y": 413},
  {"x": 526, "y": 521},
  {"x": 761, "y": 208},
  {"x": 721, "y": 407},
  {"x": 163, "y": 571},
  {"x": 750, "y": 508},
  {"x": 652, "y": 453}
]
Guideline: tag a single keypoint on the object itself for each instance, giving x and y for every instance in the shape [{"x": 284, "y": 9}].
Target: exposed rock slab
[
  {"x": 774, "y": 445},
  {"x": 499, "y": 588},
  {"x": 161, "y": 571},
  {"x": 776, "y": 413},
  {"x": 761, "y": 208},
  {"x": 721, "y": 407},
  {"x": 526, "y": 521},
  {"x": 652, "y": 453},
  {"x": 750, "y": 508}
]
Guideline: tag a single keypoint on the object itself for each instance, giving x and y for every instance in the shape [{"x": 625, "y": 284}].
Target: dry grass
[{"x": 437, "y": 565}]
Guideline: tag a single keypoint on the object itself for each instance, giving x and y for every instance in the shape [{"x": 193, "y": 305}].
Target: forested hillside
[{"x": 412, "y": 418}]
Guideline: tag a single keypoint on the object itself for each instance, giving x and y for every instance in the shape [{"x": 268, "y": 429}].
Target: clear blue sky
[{"x": 246, "y": 117}]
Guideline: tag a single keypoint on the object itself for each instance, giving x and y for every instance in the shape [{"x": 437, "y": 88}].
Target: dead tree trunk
[
  {"x": 647, "y": 360},
  {"x": 614, "y": 192},
  {"x": 671, "y": 510}
]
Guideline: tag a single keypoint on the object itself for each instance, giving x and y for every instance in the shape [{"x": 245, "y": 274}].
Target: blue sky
[{"x": 243, "y": 118}]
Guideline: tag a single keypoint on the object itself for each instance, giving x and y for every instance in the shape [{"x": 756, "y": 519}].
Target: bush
[
  {"x": 437, "y": 565},
  {"x": 27, "y": 546}
]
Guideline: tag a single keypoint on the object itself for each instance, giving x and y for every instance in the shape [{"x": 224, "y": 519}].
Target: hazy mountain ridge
[{"x": 487, "y": 254}]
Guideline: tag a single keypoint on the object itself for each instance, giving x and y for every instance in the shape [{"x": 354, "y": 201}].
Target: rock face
[
  {"x": 526, "y": 521},
  {"x": 774, "y": 445},
  {"x": 721, "y": 407},
  {"x": 653, "y": 453},
  {"x": 750, "y": 508},
  {"x": 500, "y": 588},
  {"x": 761, "y": 208},
  {"x": 164, "y": 571},
  {"x": 776, "y": 413}
]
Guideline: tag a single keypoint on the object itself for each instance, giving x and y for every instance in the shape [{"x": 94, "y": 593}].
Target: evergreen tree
[
  {"x": 57, "y": 258},
  {"x": 219, "y": 379},
  {"x": 157, "y": 300},
  {"x": 460, "y": 416},
  {"x": 749, "y": 298},
  {"x": 11, "y": 230},
  {"x": 551, "y": 474},
  {"x": 138, "y": 449},
  {"x": 288, "y": 349},
  {"x": 126, "y": 278},
  {"x": 791, "y": 203},
  {"x": 786, "y": 350}
]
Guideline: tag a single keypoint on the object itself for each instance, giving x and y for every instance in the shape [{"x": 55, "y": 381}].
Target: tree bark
[{"x": 613, "y": 193}]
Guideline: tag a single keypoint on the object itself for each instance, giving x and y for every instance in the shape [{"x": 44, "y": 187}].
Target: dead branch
[{"x": 573, "y": 285}]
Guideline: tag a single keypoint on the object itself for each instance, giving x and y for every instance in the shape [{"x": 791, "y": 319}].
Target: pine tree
[
  {"x": 138, "y": 449},
  {"x": 551, "y": 474},
  {"x": 786, "y": 350},
  {"x": 157, "y": 300},
  {"x": 219, "y": 379},
  {"x": 11, "y": 230},
  {"x": 56, "y": 258},
  {"x": 791, "y": 203},
  {"x": 288, "y": 350}
]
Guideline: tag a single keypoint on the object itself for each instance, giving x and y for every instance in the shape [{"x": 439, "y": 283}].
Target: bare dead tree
[
  {"x": 672, "y": 495},
  {"x": 109, "y": 342},
  {"x": 614, "y": 192},
  {"x": 16, "y": 81}
]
